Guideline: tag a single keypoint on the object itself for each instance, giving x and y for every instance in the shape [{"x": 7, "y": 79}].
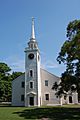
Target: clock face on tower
[{"x": 31, "y": 56}]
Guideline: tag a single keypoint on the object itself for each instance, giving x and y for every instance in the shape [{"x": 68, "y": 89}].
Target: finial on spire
[{"x": 32, "y": 31}]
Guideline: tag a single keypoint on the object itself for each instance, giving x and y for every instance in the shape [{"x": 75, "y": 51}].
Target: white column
[
  {"x": 61, "y": 101},
  {"x": 75, "y": 97},
  {"x": 67, "y": 99}
]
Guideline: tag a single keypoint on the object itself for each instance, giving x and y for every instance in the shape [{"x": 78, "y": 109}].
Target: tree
[
  {"x": 5, "y": 81},
  {"x": 15, "y": 75},
  {"x": 4, "y": 68},
  {"x": 69, "y": 55}
]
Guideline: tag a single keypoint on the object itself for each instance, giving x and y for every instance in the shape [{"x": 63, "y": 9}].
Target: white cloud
[
  {"x": 46, "y": 63},
  {"x": 53, "y": 67},
  {"x": 16, "y": 63},
  {"x": 49, "y": 64}
]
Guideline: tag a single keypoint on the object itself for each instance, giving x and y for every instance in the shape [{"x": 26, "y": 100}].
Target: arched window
[
  {"x": 31, "y": 85},
  {"x": 31, "y": 73}
]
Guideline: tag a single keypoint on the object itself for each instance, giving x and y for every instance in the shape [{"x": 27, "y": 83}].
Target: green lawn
[{"x": 69, "y": 112}]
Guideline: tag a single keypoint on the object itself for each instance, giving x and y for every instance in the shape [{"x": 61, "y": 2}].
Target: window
[
  {"x": 31, "y": 45},
  {"x": 22, "y": 84},
  {"x": 46, "y": 82},
  {"x": 31, "y": 73},
  {"x": 31, "y": 84},
  {"x": 46, "y": 96},
  {"x": 35, "y": 46},
  {"x": 22, "y": 97}
]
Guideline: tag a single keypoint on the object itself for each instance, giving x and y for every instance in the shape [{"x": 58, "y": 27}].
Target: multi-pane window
[
  {"x": 22, "y": 97},
  {"x": 31, "y": 73},
  {"x": 46, "y": 96},
  {"x": 31, "y": 85},
  {"x": 46, "y": 82},
  {"x": 22, "y": 84}
]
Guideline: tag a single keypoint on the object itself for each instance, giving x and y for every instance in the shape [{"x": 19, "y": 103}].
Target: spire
[
  {"x": 32, "y": 31},
  {"x": 32, "y": 43}
]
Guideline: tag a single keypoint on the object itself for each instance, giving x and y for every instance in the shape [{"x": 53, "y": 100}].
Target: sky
[{"x": 51, "y": 20}]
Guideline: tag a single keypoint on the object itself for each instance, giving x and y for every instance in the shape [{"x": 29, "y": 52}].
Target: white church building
[{"x": 34, "y": 87}]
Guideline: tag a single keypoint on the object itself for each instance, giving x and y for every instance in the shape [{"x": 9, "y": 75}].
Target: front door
[
  {"x": 70, "y": 99},
  {"x": 31, "y": 101}
]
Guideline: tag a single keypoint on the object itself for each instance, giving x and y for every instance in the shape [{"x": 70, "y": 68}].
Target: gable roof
[
  {"x": 49, "y": 73},
  {"x": 41, "y": 70},
  {"x": 20, "y": 77}
]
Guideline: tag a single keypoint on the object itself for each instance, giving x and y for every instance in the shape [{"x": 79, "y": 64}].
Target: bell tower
[{"x": 32, "y": 71}]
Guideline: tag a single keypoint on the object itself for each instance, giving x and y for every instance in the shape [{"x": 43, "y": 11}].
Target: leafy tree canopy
[
  {"x": 4, "y": 68},
  {"x": 70, "y": 56},
  {"x": 15, "y": 75},
  {"x": 5, "y": 81}
]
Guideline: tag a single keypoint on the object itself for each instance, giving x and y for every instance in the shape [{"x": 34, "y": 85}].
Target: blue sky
[{"x": 51, "y": 20}]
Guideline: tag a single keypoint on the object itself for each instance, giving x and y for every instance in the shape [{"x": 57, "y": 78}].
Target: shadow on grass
[{"x": 54, "y": 113}]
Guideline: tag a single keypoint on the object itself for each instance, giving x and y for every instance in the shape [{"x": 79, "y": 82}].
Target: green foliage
[
  {"x": 5, "y": 81},
  {"x": 15, "y": 75},
  {"x": 4, "y": 68},
  {"x": 70, "y": 56},
  {"x": 70, "y": 51}
]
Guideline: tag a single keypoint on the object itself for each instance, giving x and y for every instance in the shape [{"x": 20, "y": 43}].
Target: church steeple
[
  {"x": 32, "y": 43},
  {"x": 32, "y": 71},
  {"x": 32, "y": 30}
]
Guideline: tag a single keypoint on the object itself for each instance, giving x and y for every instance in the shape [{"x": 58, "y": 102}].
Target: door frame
[{"x": 31, "y": 100}]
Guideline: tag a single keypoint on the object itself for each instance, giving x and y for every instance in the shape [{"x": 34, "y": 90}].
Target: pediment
[{"x": 31, "y": 93}]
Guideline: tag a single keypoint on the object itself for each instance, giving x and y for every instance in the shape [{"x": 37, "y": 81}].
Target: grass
[{"x": 67, "y": 112}]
